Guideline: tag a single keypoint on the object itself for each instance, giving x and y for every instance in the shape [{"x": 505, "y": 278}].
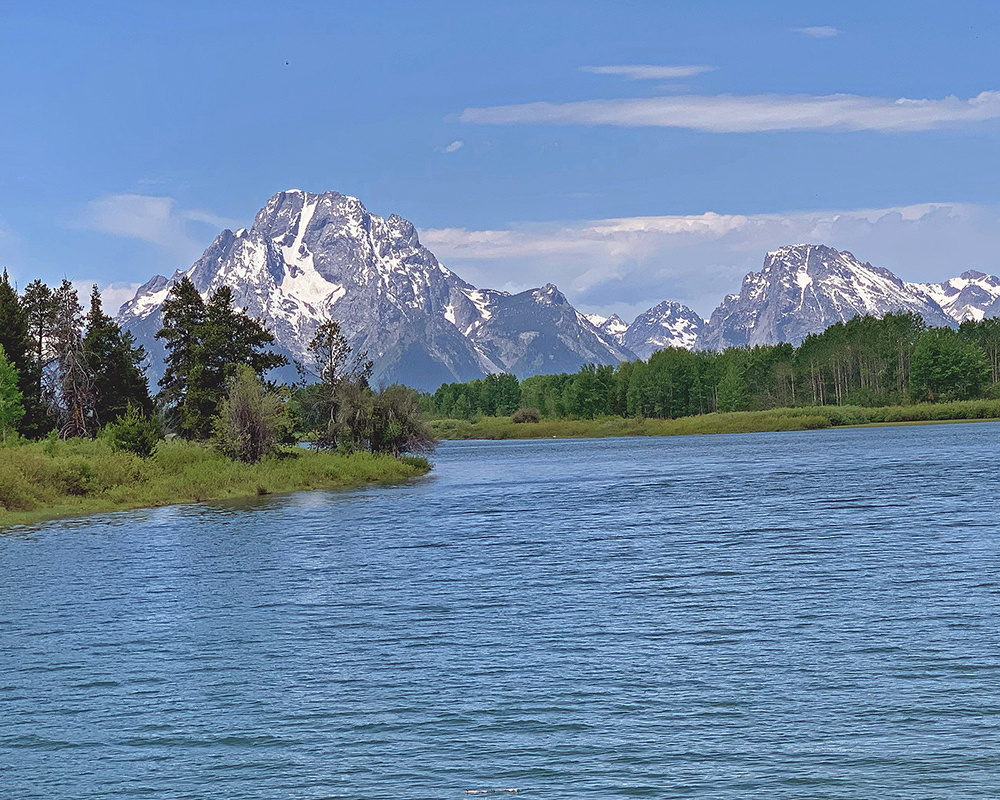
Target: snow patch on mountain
[
  {"x": 309, "y": 257},
  {"x": 668, "y": 324},
  {"x": 972, "y": 295},
  {"x": 804, "y": 289}
]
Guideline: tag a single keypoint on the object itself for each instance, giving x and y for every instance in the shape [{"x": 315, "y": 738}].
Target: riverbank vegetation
[
  {"x": 864, "y": 371},
  {"x": 777, "y": 419},
  {"x": 79, "y": 431},
  {"x": 55, "y": 478}
]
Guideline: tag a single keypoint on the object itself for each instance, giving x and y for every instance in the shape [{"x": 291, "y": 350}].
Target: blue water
[{"x": 799, "y": 615}]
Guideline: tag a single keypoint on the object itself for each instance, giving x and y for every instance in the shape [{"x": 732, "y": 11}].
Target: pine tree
[
  {"x": 182, "y": 332},
  {"x": 17, "y": 343},
  {"x": 116, "y": 366},
  {"x": 206, "y": 343},
  {"x": 39, "y": 305}
]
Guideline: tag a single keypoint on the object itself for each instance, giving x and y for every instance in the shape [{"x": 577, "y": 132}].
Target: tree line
[
  {"x": 867, "y": 361},
  {"x": 73, "y": 375}
]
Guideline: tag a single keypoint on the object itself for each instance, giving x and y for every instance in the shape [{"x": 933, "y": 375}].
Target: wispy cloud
[
  {"x": 626, "y": 265},
  {"x": 454, "y": 147},
  {"x": 649, "y": 72},
  {"x": 738, "y": 114},
  {"x": 157, "y": 220},
  {"x": 819, "y": 31}
]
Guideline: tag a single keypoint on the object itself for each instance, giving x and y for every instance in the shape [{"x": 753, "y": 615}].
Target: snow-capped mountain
[
  {"x": 668, "y": 324},
  {"x": 804, "y": 289},
  {"x": 613, "y": 326},
  {"x": 972, "y": 295},
  {"x": 309, "y": 257}
]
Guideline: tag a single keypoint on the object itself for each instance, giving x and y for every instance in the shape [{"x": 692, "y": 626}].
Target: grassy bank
[
  {"x": 777, "y": 419},
  {"x": 48, "y": 480}
]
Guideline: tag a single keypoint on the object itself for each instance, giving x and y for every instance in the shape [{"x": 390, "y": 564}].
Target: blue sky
[{"x": 630, "y": 152}]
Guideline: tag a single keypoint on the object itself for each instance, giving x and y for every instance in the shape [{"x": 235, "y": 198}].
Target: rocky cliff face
[
  {"x": 309, "y": 257},
  {"x": 972, "y": 295},
  {"x": 668, "y": 324},
  {"x": 804, "y": 289}
]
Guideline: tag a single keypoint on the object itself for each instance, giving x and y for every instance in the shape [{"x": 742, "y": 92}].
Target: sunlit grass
[
  {"x": 48, "y": 480},
  {"x": 777, "y": 419}
]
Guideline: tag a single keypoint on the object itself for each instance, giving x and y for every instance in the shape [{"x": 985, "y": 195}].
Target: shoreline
[
  {"x": 770, "y": 421},
  {"x": 45, "y": 482}
]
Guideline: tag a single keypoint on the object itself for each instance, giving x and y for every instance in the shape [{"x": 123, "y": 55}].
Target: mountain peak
[
  {"x": 804, "y": 289},
  {"x": 308, "y": 257}
]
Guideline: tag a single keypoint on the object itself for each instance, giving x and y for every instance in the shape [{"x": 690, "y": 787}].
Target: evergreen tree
[
  {"x": 183, "y": 322},
  {"x": 116, "y": 366},
  {"x": 16, "y": 344},
  {"x": 74, "y": 386},
  {"x": 39, "y": 305},
  {"x": 11, "y": 408},
  {"x": 206, "y": 343}
]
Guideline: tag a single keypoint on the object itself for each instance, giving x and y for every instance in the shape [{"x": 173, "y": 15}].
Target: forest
[{"x": 867, "y": 361}]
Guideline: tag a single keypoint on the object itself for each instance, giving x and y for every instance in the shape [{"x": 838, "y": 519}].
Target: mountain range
[{"x": 309, "y": 257}]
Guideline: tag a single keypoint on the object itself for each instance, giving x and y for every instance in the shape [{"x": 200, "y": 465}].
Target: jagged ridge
[{"x": 308, "y": 257}]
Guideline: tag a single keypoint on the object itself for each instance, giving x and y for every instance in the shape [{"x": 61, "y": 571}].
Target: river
[{"x": 793, "y": 615}]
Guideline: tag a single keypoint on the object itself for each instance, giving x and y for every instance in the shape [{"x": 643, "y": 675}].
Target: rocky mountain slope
[
  {"x": 309, "y": 257},
  {"x": 668, "y": 324},
  {"x": 804, "y": 289},
  {"x": 972, "y": 295}
]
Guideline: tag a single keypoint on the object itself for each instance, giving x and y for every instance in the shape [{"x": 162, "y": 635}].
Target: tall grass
[
  {"x": 777, "y": 419},
  {"x": 47, "y": 480}
]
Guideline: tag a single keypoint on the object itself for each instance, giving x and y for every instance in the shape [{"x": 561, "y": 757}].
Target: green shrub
[
  {"x": 134, "y": 433},
  {"x": 70, "y": 475},
  {"x": 15, "y": 492},
  {"x": 526, "y": 415}
]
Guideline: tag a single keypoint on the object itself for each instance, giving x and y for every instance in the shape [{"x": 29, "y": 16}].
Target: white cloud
[
  {"x": 766, "y": 112},
  {"x": 819, "y": 31},
  {"x": 113, "y": 295},
  {"x": 627, "y": 265},
  {"x": 455, "y": 146},
  {"x": 157, "y": 220},
  {"x": 646, "y": 72}
]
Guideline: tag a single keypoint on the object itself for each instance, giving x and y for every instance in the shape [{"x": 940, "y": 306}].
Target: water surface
[{"x": 794, "y": 615}]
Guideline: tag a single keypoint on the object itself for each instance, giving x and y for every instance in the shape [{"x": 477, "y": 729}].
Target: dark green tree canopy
[
  {"x": 206, "y": 343},
  {"x": 116, "y": 365}
]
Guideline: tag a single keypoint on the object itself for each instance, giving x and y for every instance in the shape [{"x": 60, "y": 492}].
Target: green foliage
[
  {"x": 396, "y": 425},
  {"x": 135, "y": 433},
  {"x": 11, "y": 405},
  {"x": 17, "y": 342},
  {"x": 250, "y": 418},
  {"x": 206, "y": 343},
  {"x": 115, "y": 365},
  {"x": 946, "y": 366},
  {"x": 734, "y": 394},
  {"x": 83, "y": 475},
  {"x": 493, "y": 395},
  {"x": 865, "y": 361}
]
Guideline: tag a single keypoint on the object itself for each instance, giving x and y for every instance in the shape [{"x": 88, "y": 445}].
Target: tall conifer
[
  {"x": 206, "y": 343},
  {"x": 115, "y": 364}
]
